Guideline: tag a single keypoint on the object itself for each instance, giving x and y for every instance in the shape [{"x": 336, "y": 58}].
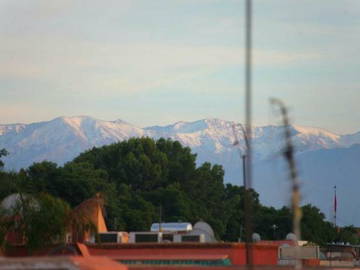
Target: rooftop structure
[{"x": 171, "y": 227}]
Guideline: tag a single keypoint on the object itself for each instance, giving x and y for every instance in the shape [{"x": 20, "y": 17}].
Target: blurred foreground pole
[
  {"x": 248, "y": 129},
  {"x": 288, "y": 153}
]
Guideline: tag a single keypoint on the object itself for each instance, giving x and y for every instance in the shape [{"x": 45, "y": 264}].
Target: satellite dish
[
  {"x": 204, "y": 227},
  {"x": 256, "y": 237},
  {"x": 291, "y": 236}
]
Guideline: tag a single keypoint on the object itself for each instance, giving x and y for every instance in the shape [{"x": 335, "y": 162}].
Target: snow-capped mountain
[
  {"x": 12, "y": 128},
  {"x": 63, "y": 138},
  {"x": 325, "y": 158},
  {"x": 219, "y": 135},
  {"x": 350, "y": 139},
  {"x": 60, "y": 139}
]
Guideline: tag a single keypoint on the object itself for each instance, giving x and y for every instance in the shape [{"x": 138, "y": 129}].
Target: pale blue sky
[{"x": 157, "y": 62}]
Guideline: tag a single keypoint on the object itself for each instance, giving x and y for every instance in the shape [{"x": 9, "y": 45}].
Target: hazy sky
[{"x": 156, "y": 62}]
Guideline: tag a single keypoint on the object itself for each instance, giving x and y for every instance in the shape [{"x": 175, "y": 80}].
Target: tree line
[{"x": 140, "y": 175}]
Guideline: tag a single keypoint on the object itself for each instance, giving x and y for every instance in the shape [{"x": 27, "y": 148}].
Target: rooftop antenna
[{"x": 288, "y": 153}]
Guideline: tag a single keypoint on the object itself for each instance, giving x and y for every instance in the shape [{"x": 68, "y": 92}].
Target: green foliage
[
  {"x": 233, "y": 212},
  {"x": 348, "y": 234},
  {"x": 8, "y": 183},
  {"x": 273, "y": 223},
  {"x": 175, "y": 205},
  {"x": 5, "y": 226},
  {"x": 143, "y": 163},
  {"x": 277, "y": 223},
  {"x": 46, "y": 222},
  {"x": 140, "y": 175},
  {"x": 234, "y": 204},
  {"x": 41, "y": 220},
  {"x": 74, "y": 183},
  {"x": 3, "y": 153},
  {"x": 314, "y": 227},
  {"x": 155, "y": 173}
]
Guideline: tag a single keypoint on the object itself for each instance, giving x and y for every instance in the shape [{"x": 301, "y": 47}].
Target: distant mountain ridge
[{"x": 63, "y": 138}]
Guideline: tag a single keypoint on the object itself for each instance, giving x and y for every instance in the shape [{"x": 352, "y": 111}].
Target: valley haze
[{"x": 324, "y": 158}]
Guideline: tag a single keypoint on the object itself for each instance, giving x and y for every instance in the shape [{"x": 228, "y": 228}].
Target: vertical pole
[
  {"x": 335, "y": 206},
  {"x": 288, "y": 153},
  {"x": 248, "y": 85},
  {"x": 248, "y": 127},
  {"x": 244, "y": 170},
  {"x": 160, "y": 218},
  {"x": 245, "y": 185},
  {"x": 240, "y": 232}
]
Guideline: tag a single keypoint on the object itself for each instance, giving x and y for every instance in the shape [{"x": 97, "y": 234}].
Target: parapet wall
[{"x": 236, "y": 252}]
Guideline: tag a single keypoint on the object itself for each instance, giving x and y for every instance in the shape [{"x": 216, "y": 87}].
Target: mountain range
[{"x": 324, "y": 159}]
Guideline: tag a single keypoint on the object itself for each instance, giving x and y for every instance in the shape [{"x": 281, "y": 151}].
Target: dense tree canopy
[
  {"x": 140, "y": 175},
  {"x": 3, "y": 153},
  {"x": 41, "y": 220}
]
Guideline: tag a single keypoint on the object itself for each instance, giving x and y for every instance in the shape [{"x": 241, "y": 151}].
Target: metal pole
[
  {"x": 335, "y": 206},
  {"x": 160, "y": 218},
  {"x": 248, "y": 85},
  {"x": 245, "y": 184},
  {"x": 244, "y": 170},
  {"x": 248, "y": 126}
]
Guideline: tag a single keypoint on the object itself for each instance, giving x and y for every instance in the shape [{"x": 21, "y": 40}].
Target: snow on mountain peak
[
  {"x": 310, "y": 131},
  {"x": 216, "y": 122},
  {"x": 4, "y": 129},
  {"x": 64, "y": 137},
  {"x": 179, "y": 125},
  {"x": 76, "y": 123}
]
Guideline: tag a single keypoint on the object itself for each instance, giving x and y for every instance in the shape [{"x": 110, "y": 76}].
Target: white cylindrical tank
[{"x": 171, "y": 227}]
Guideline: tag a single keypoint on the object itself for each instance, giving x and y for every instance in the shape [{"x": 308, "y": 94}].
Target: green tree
[
  {"x": 139, "y": 175},
  {"x": 41, "y": 220},
  {"x": 233, "y": 215},
  {"x": 74, "y": 183},
  {"x": 143, "y": 163},
  {"x": 314, "y": 226},
  {"x": 142, "y": 170},
  {"x": 47, "y": 223},
  {"x": 8, "y": 183},
  {"x": 205, "y": 190},
  {"x": 175, "y": 204},
  {"x": 273, "y": 224},
  {"x": 138, "y": 214},
  {"x": 41, "y": 177},
  {"x": 5, "y": 226},
  {"x": 348, "y": 234},
  {"x": 3, "y": 153}
]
